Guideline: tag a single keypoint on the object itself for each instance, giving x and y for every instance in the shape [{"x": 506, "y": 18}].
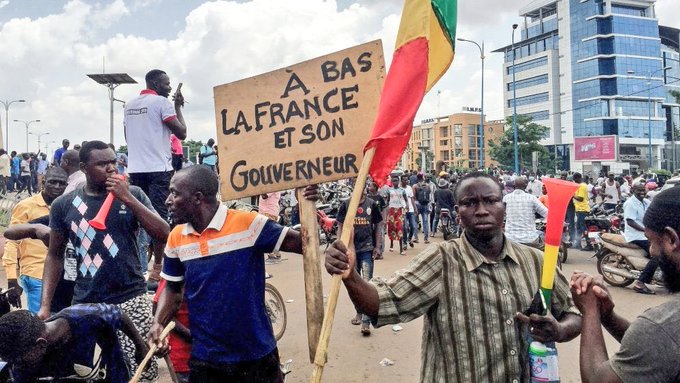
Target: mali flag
[{"x": 423, "y": 53}]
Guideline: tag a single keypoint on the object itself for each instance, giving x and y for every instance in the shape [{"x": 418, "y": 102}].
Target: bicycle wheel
[{"x": 276, "y": 310}]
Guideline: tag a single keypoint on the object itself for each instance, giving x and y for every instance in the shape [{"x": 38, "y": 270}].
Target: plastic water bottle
[{"x": 543, "y": 363}]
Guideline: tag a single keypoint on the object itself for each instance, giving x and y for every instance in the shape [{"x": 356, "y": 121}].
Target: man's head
[
  {"x": 23, "y": 343},
  {"x": 56, "y": 179},
  {"x": 404, "y": 180},
  {"x": 479, "y": 203},
  {"x": 158, "y": 81},
  {"x": 191, "y": 189},
  {"x": 662, "y": 228},
  {"x": 420, "y": 177},
  {"x": 210, "y": 142},
  {"x": 639, "y": 191},
  {"x": 98, "y": 162},
  {"x": 43, "y": 156},
  {"x": 395, "y": 181},
  {"x": 3, "y": 152},
  {"x": 577, "y": 177},
  {"x": 372, "y": 188},
  {"x": 65, "y": 143},
  {"x": 428, "y": 177},
  {"x": 563, "y": 175},
  {"x": 70, "y": 161},
  {"x": 14, "y": 153},
  {"x": 610, "y": 176},
  {"x": 520, "y": 183},
  {"x": 25, "y": 156}
]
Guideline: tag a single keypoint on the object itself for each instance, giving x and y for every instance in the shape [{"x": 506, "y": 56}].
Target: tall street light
[
  {"x": 111, "y": 81},
  {"x": 649, "y": 112},
  {"x": 27, "y": 124},
  {"x": 514, "y": 102},
  {"x": 7, "y": 103},
  {"x": 481, "y": 118},
  {"x": 39, "y": 136}
]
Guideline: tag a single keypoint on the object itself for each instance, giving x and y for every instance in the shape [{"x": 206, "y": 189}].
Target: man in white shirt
[
  {"x": 520, "y": 215},
  {"x": 4, "y": 170},
  {"x": 633, "y": 213},
  {"x": 70, "y": 161},
  {"x": 410, "y": 220},
  {"x": 535, "y": 187},
  {"x": 149, "y": 120}
]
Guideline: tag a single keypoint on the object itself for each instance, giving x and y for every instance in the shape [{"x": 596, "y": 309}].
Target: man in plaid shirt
[{"x": 520, "y": 214}]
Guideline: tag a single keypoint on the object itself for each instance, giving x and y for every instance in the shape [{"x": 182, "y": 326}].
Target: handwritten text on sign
[{"x": 307, "y": 123}]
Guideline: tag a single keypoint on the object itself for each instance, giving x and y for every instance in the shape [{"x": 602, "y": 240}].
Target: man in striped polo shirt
[
  {"x": 471, "y": 292},
  {"x": 218, "y": 256}
]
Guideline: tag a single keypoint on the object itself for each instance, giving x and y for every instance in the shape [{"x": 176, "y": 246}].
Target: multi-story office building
[
  {"x": 453, "y": 142},
  {"x": 595, "y": 68}
]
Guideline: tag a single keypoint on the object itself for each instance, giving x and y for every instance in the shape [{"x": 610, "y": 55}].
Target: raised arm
[{"x": 154, "y": 225}]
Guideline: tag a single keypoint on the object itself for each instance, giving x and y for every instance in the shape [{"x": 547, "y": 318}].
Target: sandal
[
  {"x": 365, "y": 329},
  {"x": 402, "y": 252},
  {"x": 356, "y": 320}
]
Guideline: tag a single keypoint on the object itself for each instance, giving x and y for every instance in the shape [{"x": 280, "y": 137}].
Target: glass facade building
[{"x": 606, "y": 67}]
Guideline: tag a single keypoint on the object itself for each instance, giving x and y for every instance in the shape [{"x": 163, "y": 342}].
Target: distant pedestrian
[
  {"x": 177, "y": 153},
  {"x": 207, "y": 155},
  {"x": 25, "y": 174},
  {"x": 65, "y": 143},
  {"x": 43, "y": 164},
  {"x": 397, "y": 205},
  {"x": 5, "y": 171}
]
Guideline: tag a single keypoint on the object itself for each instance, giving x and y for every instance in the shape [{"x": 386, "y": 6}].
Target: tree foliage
[
  {"x": 429, "y": 157},
  {"x": 529, "y": 135}
]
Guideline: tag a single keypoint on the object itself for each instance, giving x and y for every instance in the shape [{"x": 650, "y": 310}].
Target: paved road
[{"x": 354, "y": 358}]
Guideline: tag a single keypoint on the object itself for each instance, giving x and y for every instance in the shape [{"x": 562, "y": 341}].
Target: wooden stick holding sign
[
  {"x": 347, "y": 229},
  {"x": 311, "y": 264},
  {"x": 152, "y": 350}
]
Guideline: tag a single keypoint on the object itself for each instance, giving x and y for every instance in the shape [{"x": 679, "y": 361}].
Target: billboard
[{"x": 598, "y": 148}]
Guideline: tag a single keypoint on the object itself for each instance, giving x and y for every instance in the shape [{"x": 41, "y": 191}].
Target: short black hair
[
  {"x": 472, "y": 175},
  {"x": 88, "y": 147},
  {"x": 18, "y": 330},
  {"x": 663, "y": 211},
  {"x": 202, "y": 179},
  {"x": 55, "y": 170},
  {"x": 153, "y": 75}
]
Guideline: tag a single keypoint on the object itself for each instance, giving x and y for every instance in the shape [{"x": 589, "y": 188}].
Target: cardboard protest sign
[{"x": 307, "y": 123}]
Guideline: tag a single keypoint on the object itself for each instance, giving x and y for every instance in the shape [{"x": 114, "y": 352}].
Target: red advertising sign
[{"x": 599, "y": 148}]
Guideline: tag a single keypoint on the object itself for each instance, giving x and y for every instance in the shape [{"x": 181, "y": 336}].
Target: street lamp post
[
  {"x": 27, "y": 124},
  {"x": 649, "y": 112},
  {"x": 481, "y": 118},
  {"x": 514, "y": 102},
  {"x": 7, "y": 103},
  {"x": 39, "y": 136}
]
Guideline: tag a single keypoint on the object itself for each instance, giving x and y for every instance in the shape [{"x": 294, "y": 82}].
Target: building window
[
  {"x": 528, "y": 65},
  {"x": 445, "y": 155},
  {"x": 444, "y": 142},
  {"x": 533, "y": 81},
  {"x": 458, "y": 129},
  {"x": 444, "y": 131},
  {"x": 528, "y": 100},
  {"x": 538, "y": 116}
]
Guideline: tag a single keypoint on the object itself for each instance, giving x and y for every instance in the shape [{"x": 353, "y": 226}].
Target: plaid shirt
[
  {"x": 520, "y": 216},
  {"x": 470, "y": 333}
]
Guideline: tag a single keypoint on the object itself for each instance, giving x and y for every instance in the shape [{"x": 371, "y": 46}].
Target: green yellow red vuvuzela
[{"x": 424, "y": 51}]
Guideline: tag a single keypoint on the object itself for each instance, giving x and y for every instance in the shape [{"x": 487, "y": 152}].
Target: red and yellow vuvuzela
[{"x": 423, "y": 53}]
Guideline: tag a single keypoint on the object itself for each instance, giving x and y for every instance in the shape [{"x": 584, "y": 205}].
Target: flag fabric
[{"x": 424, "y": 51}]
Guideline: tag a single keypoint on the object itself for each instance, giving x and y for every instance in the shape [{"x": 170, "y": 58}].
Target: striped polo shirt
[
  {"x": 223, "y": 270},
  {"x": 469, "y": 304}
]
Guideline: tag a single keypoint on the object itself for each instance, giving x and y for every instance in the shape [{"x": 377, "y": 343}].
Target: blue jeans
[
  {"x": 364, "y": 267},
  {"x": 424, "y": 212},
  {"x": 33, "y": 289},
  {"x": 580, "y": 228},
  {"x": 143, "y": 242},
  {"x": 410, "y": 227}
]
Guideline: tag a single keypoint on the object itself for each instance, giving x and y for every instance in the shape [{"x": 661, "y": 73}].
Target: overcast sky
[{"x": 47, "y": 47}]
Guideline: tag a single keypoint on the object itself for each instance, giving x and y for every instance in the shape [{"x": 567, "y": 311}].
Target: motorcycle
[
  {"x": 620, "y": 263},
  {"x": 599, "y": 222},
  {"x": 449, "y": 225},
  {"x": 327, "y": 224},
  {"x": 276, "y": 308},
  {"x": 564, "y": 243}
]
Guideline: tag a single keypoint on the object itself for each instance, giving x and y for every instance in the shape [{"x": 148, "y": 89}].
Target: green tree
[
  {"x": 429, "y": 157},
  {"x": 528, "y": 136}
]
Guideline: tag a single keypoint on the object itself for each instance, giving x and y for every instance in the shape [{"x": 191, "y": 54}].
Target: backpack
[{"x": 423, "y": 194}]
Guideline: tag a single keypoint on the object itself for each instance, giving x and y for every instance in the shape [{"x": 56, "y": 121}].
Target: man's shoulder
[{"x": 666, "y": 315}]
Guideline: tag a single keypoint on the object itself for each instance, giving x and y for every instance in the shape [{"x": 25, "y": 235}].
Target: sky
[{"x": 48, "y": 46}]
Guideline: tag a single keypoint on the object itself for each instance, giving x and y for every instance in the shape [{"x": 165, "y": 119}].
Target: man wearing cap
[{"x": 535, "y": 187}]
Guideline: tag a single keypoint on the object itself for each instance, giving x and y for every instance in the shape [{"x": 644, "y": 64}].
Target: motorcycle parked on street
[
  {"x": 564, "y": 243},
  {"x": 620, "y": 263},
  {"x": 448, "y": 224}
]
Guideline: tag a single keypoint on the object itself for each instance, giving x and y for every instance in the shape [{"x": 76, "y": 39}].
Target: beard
[{"x": 671, "y": 273}]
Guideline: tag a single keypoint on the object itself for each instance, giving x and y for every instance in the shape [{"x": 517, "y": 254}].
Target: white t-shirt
[
  {"x": 397, "y": 198},
  {"x": 4, "y": 165},
  {"x": 409, "y": 198},
  {"x": 147, "y": 137}
]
